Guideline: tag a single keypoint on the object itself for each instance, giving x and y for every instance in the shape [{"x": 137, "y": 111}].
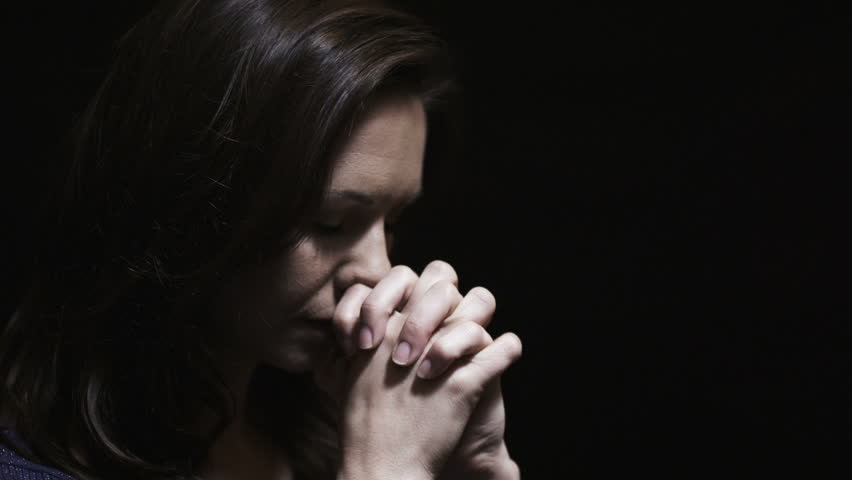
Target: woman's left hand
[{"x": 481, "y": 452}]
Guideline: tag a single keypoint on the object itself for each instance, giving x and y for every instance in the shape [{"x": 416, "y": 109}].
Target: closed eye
[
  {"x": 327, "y": 230},
  {"x": 391, "y": 225},
  {"x": 354, "y": 219}
]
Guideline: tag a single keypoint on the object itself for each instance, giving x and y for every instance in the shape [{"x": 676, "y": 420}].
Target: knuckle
[
  {"x": 359, "y": 289},
  {"x": 445, "y": 290},
  {"x": 464, "y": 383},
  {"x": 372, "y": 307},
  {"x": 440, "y": 351},
  {"x": 442, "y": 269},
  {"x": 345, "y": 318},
  {"x": 470, "y": 329},
  {"x": 404, "y": 271},
  {"x": 484, "y": 297},
  {"x": 412, "y": 330},
  {"x": 514, "y": 346},
  {"x": 459, "y": 385}
]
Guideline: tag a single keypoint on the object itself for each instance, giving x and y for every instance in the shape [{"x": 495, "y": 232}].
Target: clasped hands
[{"x": 419, "y": 386}]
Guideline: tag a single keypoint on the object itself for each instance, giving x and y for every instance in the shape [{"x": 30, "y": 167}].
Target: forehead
[{"x": 383, "y": 155}]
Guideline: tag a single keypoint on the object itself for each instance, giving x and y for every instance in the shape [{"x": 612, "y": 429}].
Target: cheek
[{"x": 306, "y": 270}]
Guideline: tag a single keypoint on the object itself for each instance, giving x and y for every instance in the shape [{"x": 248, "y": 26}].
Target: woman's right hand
[{"x": 395, "y": 424}]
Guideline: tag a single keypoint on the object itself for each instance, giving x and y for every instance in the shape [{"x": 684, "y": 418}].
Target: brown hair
[{"x": 205, "y": 151}]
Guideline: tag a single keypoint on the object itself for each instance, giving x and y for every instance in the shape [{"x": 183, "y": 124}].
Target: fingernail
[
  {"x": 365, "y": 338},
  {"x": 425, "y": 369},
  {"x": 400, "y": 355}
]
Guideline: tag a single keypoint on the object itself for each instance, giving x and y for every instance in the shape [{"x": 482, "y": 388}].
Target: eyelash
[{"x": 330, "y": 230}]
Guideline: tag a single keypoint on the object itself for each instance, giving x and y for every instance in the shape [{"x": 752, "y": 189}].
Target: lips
[
  {"x": 320, "y": 334},
  {"x": 322, "y": 327},
  {"x": 323, "y": 323}
]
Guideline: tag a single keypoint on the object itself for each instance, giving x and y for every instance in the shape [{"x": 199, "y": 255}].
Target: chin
[{"x": 298, "y": 360}]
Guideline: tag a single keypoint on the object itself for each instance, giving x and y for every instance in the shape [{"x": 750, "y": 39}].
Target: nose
[{"x": 367, "y": 262}]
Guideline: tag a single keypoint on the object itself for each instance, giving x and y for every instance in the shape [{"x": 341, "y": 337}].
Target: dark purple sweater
[{"x": 13, "y": 466}]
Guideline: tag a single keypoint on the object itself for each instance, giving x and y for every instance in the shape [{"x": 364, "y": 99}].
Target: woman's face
[{"x": 280, "y": 313}]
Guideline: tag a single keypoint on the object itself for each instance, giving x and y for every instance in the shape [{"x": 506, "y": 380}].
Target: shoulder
[{"x": 13, "y": 466}]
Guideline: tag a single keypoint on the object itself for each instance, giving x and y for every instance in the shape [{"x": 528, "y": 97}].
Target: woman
[{"x": 215, "y": 298}]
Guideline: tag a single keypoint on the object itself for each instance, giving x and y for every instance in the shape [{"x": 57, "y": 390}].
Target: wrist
[
  {"x": 496, "y": 465},
  {"x": 349, "y": 472},
  {"x": 507, "y": 469}
]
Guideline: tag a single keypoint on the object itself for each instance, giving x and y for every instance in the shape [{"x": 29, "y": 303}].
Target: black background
[{"x": 656, "y": 197}]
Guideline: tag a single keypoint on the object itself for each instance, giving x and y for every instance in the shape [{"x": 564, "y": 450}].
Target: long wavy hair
[{"x": 205, "y": 151}]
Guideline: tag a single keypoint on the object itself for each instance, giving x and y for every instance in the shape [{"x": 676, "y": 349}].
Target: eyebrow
[{"x": 366, "y": 199}]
